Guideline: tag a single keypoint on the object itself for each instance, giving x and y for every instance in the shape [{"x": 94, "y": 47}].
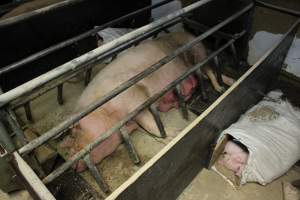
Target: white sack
[{"x": 271, "y": 132}]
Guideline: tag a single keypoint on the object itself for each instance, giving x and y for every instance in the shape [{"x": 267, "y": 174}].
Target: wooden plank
[
  {"x": 30, "y": 179},
  {"x": 173, "y": 168}
]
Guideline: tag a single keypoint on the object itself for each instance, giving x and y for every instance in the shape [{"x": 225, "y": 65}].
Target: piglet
[{"x": 234, "y": 158}]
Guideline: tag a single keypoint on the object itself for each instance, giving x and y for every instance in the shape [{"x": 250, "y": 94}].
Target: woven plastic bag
[{"x": 271, "y": 132}]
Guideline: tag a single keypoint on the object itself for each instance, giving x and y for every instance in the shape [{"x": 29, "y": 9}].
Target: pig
[
  {"x": 234, "y": 158},
  {"x": 125, "y": 66}
]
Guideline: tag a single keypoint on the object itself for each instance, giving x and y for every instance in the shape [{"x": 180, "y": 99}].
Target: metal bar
[
  {"x": 96, "y": 173},
  {"x": 29, "y": 179},
  {"x": 36, "y": 12},
  {"x": 12, "y": 120},
  {"x": 201, "y": 86},
  {"x": 76, "y": 117},
  {"x": 182, "y": 104},
  {"x": 77, "y": 38},
  {"x": 235, "y": 56},
  {"x": 6, "y": 144},
  {"x": 201, "y": 27},
  {"x": 88, "y": 75},
  {"x": 130, "y": 116},
  {"x": 28, "y": 112},
  {"x": 278, "y": 8},
  {"x": 60, "y": 98},
  {"x": 217, "y": 66},
  {"x": 153, "y": 110},
  {"x": 72, "y": 74},
  {"x": 94, "y": 54},
  {"x": 218, "y": 70},
  {"x": 129, "y": 146}
]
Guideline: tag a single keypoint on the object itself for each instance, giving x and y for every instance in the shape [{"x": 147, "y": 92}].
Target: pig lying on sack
[
  {"x": 125, "y": 66},
  {"x": 271, "y": 132}
]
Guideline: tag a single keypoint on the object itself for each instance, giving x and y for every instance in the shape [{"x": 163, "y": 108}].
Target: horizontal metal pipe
[
  {"x": 76, "y": 117},
  {"x": 91, "y": 55},
  {"x": 278, "y": 8},
  {"x": 37, "y": 12},
  {"x": 87, "y": 149},
  {"x": 34, "y": 94},
  {"x": 201, "y": 27},
  {"x": 77, "y": 38}
]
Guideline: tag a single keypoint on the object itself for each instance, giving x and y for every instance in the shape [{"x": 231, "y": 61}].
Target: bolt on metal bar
[
  {"x": 69, "y": 75},
  {"x": 28, "y": 112},
  {"x": 278, "y": 8},
  {"x": 77, "y": 38},
  {"x": 155, "y": 113},
  {"x": 129, "y": 146},
  {"x": 87, "y": 149},
  {"x": 182, "y": 104},
  {"x": 92, "y": 56},
  {"x": 76, "y": 117},
  {"x": 60, "y": 98},
  {"x": 96, "y": 173}
]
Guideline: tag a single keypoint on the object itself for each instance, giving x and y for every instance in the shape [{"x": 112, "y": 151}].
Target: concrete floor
[{"x": 208, "y": 185}]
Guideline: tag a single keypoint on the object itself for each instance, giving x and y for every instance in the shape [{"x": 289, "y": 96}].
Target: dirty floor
[{"x": 208, "y": 185}]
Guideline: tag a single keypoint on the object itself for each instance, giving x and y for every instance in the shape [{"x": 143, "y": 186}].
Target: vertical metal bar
[
  {"x": 129, "y": 146},
  {"x": 88, "y": 75},
  {"x": 28, "y": 112},
  {"x": 201, "y": 86},
  {"x": 13, "y": 123},
  {"x": 96, "y": 173},
  {"x": 217, "y": 66},
  {"x": 12, "y": 120},
  {"x": 218, "y": 70},
  {"x": 153, "y": 110},
  {"x": 5, "y": 141},
  {"x": 235, "y": 56},
  {"x": 60, "y": 98},
  {"x": 182, "y": 104}
]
